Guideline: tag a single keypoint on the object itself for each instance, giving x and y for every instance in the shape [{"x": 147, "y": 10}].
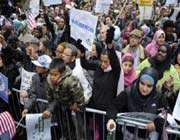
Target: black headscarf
[
  {"x": 136, "y": 99},
  {"x": 162, "y": 66},
  {"x": 136, "y": 96},
  {"x": 151, "y": 72}
]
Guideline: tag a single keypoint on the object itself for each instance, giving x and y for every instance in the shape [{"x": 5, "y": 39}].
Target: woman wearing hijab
[
  {"x": 128, "y": 69},
  {"x": 158, "y": 39},
  {"x": 162, "y": 63},
  {"x": 142, "y": 96}
]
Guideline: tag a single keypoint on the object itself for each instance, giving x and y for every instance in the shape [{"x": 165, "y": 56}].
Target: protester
[
  {"x": 140, "y": 97},
  {"x": 162, "y": 63},
  {"x": 128, "y": 69},
  {"x": 158, "y": 39},
  {"x": 177, "y": 62},
  {"x": 64, "y": 93},
  {"x": 38, "y": 87},
  {"x": 100, "y": 58},
  {"x": 135, "y": 47}
]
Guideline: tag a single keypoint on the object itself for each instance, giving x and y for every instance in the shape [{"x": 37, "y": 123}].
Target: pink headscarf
[
  {"x": 152, "y": 48},
  {"x": 131, "y": 75}
]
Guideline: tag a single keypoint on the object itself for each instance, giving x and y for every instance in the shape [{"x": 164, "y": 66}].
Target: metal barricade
[
  {"x": 101, "y": 114},
  {"x": 173, "y": 132},
  {"x": 77, "y": 122},
  {"x": 128, "y": 120}
]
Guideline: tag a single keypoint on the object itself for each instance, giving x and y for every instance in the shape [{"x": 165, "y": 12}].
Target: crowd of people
[{"x": 133, "y": 65}]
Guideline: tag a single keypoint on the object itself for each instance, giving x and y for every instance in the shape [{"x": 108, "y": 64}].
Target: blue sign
[{"x": 4, "y": 87}]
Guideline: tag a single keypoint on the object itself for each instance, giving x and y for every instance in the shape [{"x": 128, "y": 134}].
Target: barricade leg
[
  {"x": 68, "y": 124},
  {"x": 136, "y": 133},
  {"x": 124, "y": 130},
  {"x": 75, "y": 121},
  {"x": 94, "y": 127},
  {"x": 85, "y": 125},
  {"x": 104, "y": 127}
]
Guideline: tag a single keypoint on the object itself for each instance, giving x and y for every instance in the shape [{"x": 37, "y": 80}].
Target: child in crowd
[
  {"x": 128, "y": 69},
  {"x": 65, "y": 94}
]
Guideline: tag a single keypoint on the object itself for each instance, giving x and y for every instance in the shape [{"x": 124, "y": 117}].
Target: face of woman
[
  {"x": 145, "y": 87},
  {"x": 105, "y": 62},
  {"x": 161, "y": 54},
  {"x": 127, "y": 66},
  {"x": 93, "y": 51},
  {"x": 161, "y": 39}
]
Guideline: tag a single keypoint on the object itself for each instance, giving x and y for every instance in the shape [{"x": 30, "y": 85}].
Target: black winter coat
[{"x": 104, "y": 88}]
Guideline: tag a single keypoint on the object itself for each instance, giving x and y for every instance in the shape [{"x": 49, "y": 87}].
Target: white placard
[
  {"x": 51, "y": 2},
  {"x": 83, "y": 26},
  {"x": 176, "y": 111},
  {"x": 171, "y": 2},
  {"x": 102, "y": 6},
  {"x": 175, "y": 13},
  {"x": 145, "y": 12},
  {"x": 34, "y": 7},
  {"x": 38, "y": 128},
  {"x": 26, "y": 79}
]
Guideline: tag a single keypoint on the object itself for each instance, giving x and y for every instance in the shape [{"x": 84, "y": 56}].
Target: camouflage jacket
[{"x": 67, "y": 92}]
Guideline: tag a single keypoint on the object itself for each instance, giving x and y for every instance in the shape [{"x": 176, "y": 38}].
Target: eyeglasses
[{"x": 67, "y": 54}]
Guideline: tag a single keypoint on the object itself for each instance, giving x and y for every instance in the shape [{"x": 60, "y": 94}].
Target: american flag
[
  {"x": 31, "y": 20},
  {"x": 7, "y": 124}
]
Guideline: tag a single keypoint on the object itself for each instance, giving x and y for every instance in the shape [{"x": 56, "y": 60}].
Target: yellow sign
[{"x": 145, "y": 2}]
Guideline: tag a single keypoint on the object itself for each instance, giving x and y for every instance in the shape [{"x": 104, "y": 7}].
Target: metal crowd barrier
[
  {"x": 128, "y": 120},
  {"x": 81, "y": 126},
  {"x": 94, "y": 113}
]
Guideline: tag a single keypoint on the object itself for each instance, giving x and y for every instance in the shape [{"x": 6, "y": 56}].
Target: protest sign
[
  {"x": 38, "y": 128},
  {"x": 171, "y": 2},
  {"x": 51, "y": 2},
  {"x": 145, "y": 2},
  {"x": 146, "y": 9},
  {"x": 102, "y": 6},
  {"x": 175, "y": 13},
  {"x": 3, "y": 88},
  {"x": 34, "y": 7},
  {"x": 26, "y": 79},
  {"x": 83, "y": 26},
  {"x": 176, "y": 111},
  {"x": 145, "y": 12}
]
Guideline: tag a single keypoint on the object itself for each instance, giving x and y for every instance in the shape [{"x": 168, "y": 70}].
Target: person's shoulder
[
  {"x": 71, "y": 80},
  {"x": 125, "y": 49}
]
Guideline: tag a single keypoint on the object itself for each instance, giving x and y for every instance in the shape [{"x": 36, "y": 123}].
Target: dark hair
[
  {"x": 98, "y": 49},
  {"x": 168, "y": 23},
  {"x": 45, "y": 41},
  {"x": 165, "y": 65},
  {"x": 104, "y": 52},
  {"x": 58, "y": 63},
  {"x": 109, "y": 16}
]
